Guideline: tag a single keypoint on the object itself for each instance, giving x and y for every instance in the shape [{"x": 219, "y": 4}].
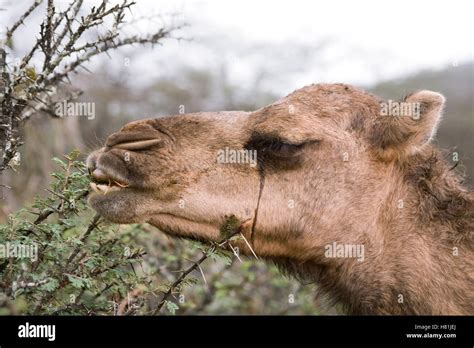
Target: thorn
[
  {"x": 248, "y": 244},
  {"x": 202, "y": 274},
  {"x": 235, "y": 252}
]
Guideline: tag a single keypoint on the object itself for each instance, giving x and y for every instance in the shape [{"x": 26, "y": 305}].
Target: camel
[{"x": 356, "y": 200}]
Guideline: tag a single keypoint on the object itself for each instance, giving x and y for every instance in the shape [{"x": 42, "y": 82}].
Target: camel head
[{"x": 313, "y": 168}]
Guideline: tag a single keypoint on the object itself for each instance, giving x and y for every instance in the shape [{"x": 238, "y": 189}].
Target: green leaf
[
  {"x": 59, "y": 162},
  {"x": 171, "y": 307},
  {"x": 51, "y": 285},
  {"x": 30, "y": 72},
  {"x": 79, "y": 282}
]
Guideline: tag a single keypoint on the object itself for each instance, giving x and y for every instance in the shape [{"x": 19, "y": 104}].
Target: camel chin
[{"x": 117, "y": 205}]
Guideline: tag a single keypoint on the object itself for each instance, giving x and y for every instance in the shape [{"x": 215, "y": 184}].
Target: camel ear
[{"x": 402, "y": 128}]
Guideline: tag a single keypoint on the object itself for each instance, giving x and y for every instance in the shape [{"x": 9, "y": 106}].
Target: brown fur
[{"x": 330, "y": 169}]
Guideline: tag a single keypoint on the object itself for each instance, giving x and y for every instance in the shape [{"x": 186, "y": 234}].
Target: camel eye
[{"x": 275, "y": 147}]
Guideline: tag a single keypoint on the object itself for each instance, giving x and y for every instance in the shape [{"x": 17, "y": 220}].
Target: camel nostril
[
  {"x": 134, "y": 139},
  {"x": 137, "y": 145}
]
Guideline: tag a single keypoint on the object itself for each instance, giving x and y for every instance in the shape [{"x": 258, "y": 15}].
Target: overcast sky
[
  {"x": 369, "y": 40},
  {"x": 403, "y": 35}
]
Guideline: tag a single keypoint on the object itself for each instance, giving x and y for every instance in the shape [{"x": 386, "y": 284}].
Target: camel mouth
[{"x": 104, "y": 182}]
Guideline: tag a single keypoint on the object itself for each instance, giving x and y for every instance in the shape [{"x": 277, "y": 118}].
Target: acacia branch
[
  {"x": 92, "y": 225},
  {"x": 44, "y": 214},
  {"x": 105, "y": 46},
  {"x": 22, "y": 19},
  {"x": 29, "y": 92},
  {"x": 197, "y": 264},
  {"x": 46, "y": 31}
]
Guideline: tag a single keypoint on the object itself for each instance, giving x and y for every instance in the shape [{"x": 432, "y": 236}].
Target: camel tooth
[
  {"x": 102, "y": 188},
  {"x": 94, "y": 187},
  {"x": 120, "y": 185}
]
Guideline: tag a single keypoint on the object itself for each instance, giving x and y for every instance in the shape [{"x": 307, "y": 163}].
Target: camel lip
[
  {"x": 102, "y": 177},
  {"x": 104, "y": 189}
]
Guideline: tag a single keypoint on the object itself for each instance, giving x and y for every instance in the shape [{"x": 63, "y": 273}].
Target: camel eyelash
[
  {"x": 282, "y": 148},
  {"x": 276, "y": 147}
]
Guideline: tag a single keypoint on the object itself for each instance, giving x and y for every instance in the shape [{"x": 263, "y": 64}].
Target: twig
[
  {"x": 209, "y": 296},
  {"x": 92, "y": 225},
  {"x": 30, "y": 92},
  {"x": 24, "y": 285},
  {"x": 21, "y": 19},
  {"x": 209, "y": 251},
  {"x": 44, "y": 214}
]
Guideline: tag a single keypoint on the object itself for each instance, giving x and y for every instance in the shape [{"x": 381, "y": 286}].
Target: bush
[{"x": 77, "y": 264}]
